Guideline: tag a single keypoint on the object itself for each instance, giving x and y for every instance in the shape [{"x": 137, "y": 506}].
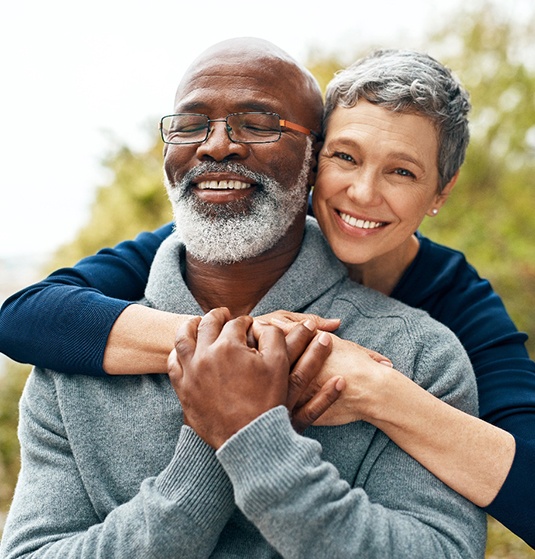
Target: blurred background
[{"x": 84, "y": 86}]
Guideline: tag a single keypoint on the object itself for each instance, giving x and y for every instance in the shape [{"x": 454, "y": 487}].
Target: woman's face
[{"x": 377, "y": 179}]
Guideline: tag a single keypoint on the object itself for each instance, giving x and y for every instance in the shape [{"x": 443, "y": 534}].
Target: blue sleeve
[
  {"x": 441, "y": 282},
  {"x": 63, "y": 322}
]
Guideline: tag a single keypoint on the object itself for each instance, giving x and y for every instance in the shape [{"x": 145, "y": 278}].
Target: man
[{"x": 119, "y": 468}]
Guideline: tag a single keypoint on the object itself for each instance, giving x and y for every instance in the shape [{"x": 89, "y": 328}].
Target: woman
[{"x": 396, "y": 137}]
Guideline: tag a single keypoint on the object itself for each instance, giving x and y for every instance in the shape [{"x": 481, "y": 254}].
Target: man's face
[{"x": 235, "y": 201}]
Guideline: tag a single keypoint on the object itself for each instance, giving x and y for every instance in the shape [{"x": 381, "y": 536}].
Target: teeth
[
  {"x": 223, "y": 185},
  {"x": 360, "y": 223}
]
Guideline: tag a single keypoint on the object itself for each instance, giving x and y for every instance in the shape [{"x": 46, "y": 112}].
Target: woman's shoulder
[
  {"x": 439, "y": 271},
  {"x": 442, "y": 282}
]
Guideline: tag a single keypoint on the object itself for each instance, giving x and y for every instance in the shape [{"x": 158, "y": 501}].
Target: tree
[
  {"x": 133, "y": 201},
  {"x": 490, "y": 214},
  {"x": 12, "y": 382}
]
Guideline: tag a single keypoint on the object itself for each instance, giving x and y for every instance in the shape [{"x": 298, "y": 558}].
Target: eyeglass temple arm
[{"x": 298, "y": 127}]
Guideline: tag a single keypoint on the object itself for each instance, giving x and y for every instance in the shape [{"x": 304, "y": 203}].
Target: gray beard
[{"x": 238, "y": 230}]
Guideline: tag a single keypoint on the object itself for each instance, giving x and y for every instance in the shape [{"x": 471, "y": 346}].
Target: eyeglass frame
[{"x": 283, "y": 123}]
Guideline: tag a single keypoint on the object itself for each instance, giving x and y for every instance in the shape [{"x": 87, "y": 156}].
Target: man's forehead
[
  {"x": 247, "y": 87},
  {"x": 262, "y": 70},
  {"x": 250, "y": 75}
]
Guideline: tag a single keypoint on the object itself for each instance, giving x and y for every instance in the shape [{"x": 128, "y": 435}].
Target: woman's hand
[
  {"x": 307, "y": 351},
  {"x": 287, "y": 320},
  {"x": 363, "y": 370}
]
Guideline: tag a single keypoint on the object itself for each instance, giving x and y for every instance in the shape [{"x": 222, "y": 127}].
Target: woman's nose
[{"x": 364, "y": 188}]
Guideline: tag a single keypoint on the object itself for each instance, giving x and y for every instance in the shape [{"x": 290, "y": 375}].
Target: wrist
[{"x": 384, "y": 391}]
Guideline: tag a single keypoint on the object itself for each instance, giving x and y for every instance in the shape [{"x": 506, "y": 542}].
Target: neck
[
  {"x": 384, "y": 272},
  {"x": 241, "y": 285}
]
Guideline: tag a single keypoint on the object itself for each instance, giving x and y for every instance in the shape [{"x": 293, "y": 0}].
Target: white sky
[{"x": 110, "y": 66}]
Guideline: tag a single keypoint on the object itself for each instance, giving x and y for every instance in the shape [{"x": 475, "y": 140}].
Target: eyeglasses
[{"x": 242, "y": 128}]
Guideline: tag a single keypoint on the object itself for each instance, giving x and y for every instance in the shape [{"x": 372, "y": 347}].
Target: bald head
[{"x": 270, "y": 67}]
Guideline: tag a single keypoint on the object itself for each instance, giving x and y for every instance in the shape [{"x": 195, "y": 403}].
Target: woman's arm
[
  {"x": 63, "y": 322},
  {"x": 140, "y": 341},
  {"x": 470, "y": 455},
  {"x": 467, "y": 453},
  {"x": 441, "y": 281},
  {"x": 491, "y": 461}
]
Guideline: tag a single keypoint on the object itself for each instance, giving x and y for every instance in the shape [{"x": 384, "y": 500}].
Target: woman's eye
[
  {"x": 344, "y": 156},
  {"x": 405, "y": 173}
]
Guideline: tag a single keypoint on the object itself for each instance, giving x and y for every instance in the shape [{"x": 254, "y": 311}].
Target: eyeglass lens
[{"x": 241, "y": 127}]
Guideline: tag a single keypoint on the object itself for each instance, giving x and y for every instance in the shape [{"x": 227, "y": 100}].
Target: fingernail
[
  {"x": 340, "y": 384},
  {"x": 324, "y": 339},
  {"x": 309, "y": 325},
  {"x": 261, "y": 321},
  {"x": 387, "y": 363}
]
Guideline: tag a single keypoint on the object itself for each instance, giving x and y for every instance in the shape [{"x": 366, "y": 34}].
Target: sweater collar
[{"x": 314, "y": 271}]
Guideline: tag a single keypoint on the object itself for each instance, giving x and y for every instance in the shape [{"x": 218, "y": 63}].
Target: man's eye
[
  {"x": 188, "y": 128},
  {"x": 258, "y": 129}
]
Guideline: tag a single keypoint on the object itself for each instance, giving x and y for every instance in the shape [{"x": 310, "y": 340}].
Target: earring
[{"x": 435, "y": 211}]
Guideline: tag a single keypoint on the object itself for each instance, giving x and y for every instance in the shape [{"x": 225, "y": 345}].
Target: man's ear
[
  {"x": 318, "y": 144},
  {"x": 440, "y": 199}
]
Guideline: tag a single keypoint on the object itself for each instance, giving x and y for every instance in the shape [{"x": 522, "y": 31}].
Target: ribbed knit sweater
[{"x": 109, "y": 470}]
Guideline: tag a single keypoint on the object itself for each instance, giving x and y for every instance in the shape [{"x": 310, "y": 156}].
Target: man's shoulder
[
  {"x": 373, "y": 304},
  {"x": 75, "y": 402},
  {"x": 387, "y": 325},
  {"x": 73, "y": 391}
]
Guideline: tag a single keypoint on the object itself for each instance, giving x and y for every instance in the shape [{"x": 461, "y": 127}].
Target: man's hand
[
  {"x": 223, "y": 383},
  {"x": 307, "y": 352}
]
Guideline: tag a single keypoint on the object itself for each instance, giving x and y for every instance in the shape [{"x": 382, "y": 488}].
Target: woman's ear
[{"x": 440, "y": 199}]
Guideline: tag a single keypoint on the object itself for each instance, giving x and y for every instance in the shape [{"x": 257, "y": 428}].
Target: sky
[{"x": 77, "y": 78}]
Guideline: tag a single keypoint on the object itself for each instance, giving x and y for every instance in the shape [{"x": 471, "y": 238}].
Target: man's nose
[{"x": 218, "y": 146}]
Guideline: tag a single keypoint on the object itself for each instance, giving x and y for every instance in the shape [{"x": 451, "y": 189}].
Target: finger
[
  {"x": 211, "y": 325},
  {"x": 174, "y": 368},
  {"x": 307, "y": 367},
  {"x": 186, "y": 339},
  {"x": 298, "y": 339},
  {"x": 251, "y": 341},
  {"x": 237, "y": 330},
  {"x": 306, "y": 415},
  {"x": 327, "y": 324},
  {"x": 287, "y": 321},
  {"x": 271, "y": 344}
]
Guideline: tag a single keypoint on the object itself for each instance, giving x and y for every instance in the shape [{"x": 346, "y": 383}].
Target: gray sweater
[{"x": 109, "y": 470}]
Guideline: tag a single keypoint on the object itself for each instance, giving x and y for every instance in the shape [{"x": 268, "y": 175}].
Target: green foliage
[
  {"x": 489, "y": 216},
  {"x": 134, "y": 201},
  {"x": 12, "y": 381},
  {"x": 501, "y": 544}
]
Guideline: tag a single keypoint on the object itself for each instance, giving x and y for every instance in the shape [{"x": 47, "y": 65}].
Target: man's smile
[{"x": 223, "y": 185}]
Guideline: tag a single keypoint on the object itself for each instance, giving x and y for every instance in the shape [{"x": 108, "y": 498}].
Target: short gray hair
[{"x": 409, "y": 82}]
